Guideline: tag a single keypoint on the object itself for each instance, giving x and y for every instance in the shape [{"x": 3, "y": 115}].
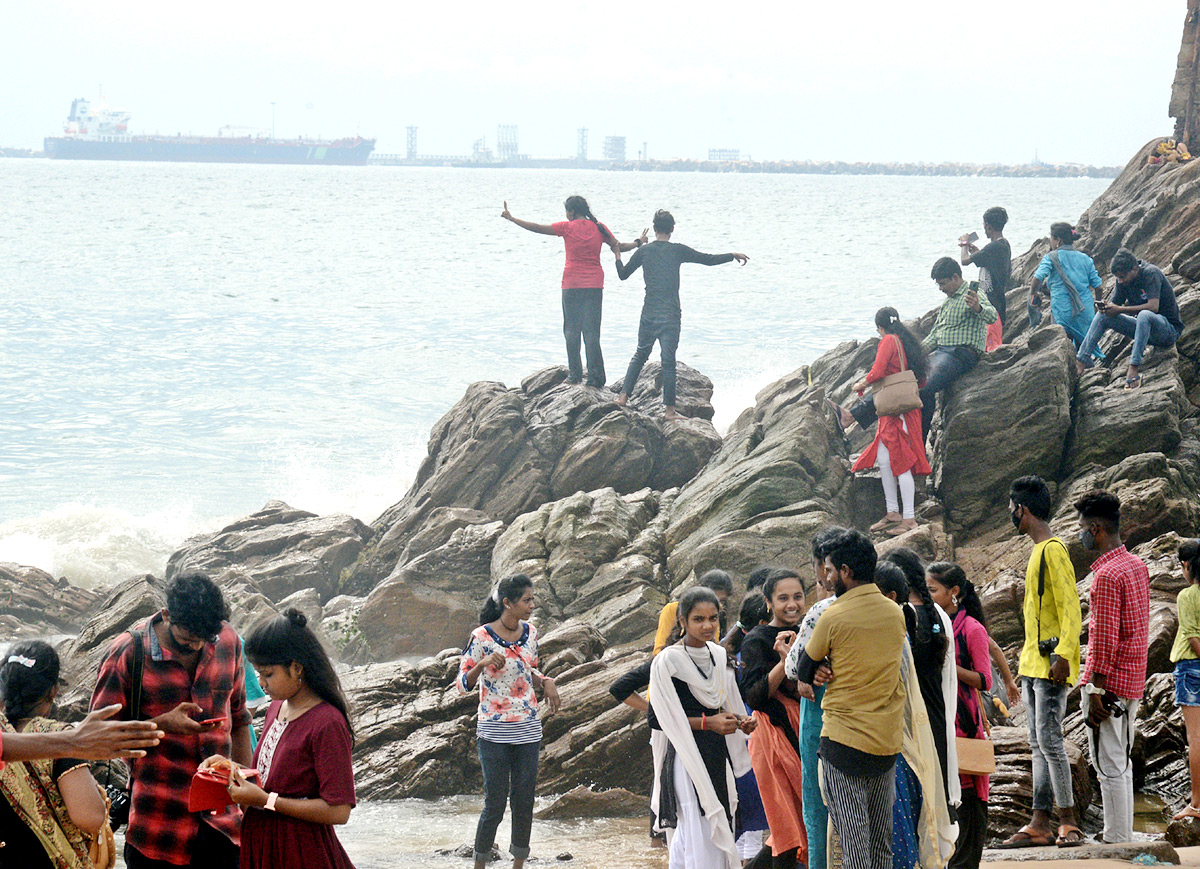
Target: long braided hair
[
  {"x": 578, "y": 206},
  {"x": 929, "y": 623}
]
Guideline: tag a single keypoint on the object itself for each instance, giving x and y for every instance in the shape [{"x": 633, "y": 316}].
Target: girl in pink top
[{"x": 582, "y": 283}]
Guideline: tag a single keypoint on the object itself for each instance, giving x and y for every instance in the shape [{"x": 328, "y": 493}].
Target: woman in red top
[
  {"x": 582, "y": 283},
  {"x": 898, "y": 448}
]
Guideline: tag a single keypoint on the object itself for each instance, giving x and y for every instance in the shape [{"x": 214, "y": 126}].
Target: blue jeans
[
  {"x": 1045, "y": 704},
  {"x": 509, "y": 776},
  {"x": 1146, "y": 328},
  {"x": 666, "y": 333},
  {"x": 816, "y": 816}
]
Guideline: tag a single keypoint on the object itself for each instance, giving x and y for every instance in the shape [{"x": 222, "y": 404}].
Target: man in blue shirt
[
  {"x": 1142, "y": 308},
  {"x": 1070, "y": 276}
]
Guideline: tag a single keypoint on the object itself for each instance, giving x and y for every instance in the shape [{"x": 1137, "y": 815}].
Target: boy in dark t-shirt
[
  {"x": 1143, "y": 308},
  {"x": 660, "y": 261},
  {"x": 994, "y": 261}
]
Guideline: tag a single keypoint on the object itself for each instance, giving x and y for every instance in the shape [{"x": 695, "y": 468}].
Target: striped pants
[{"x": 860, "y": 809}]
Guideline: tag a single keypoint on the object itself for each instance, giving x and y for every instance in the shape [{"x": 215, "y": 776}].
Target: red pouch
[{"x": 209, "y": 790}]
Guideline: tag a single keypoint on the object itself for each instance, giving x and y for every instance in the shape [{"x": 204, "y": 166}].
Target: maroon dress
[{"x": 311, "y": 759}]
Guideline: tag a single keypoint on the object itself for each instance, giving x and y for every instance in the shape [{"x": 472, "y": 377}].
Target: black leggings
[{"x": 581, "y": 317}]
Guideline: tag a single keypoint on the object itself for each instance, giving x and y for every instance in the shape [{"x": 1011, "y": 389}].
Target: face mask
[
  {"x": 1016, "y": 518},
  {"x": 1087, "y": 538}
]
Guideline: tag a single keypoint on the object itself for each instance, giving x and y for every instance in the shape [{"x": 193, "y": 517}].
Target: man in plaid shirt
[
  {"x": 192, "y": 671},
  {"x": 955, "y": 343},
  {"x": 1118, "y": 639}
]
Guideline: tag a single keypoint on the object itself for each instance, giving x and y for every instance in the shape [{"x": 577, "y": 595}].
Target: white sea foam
[{"x": 98, "y": 546}]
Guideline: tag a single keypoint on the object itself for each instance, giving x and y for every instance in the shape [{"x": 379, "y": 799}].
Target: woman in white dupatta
[{"x": 700, "y": 747}]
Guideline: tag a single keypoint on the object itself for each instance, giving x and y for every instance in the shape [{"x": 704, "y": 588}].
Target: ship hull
[{"x": 157, "y": 149}]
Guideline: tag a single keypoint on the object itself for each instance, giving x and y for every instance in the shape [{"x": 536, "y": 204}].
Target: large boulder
[
  {"x": 433, "y": 601},
  {"x": 504, "y": 452},
  {"x": 1113, "y": 423},
  {"x": 277, "y": 550},
  {"x": 597, "y": 556},
  {"x": 780, "y": 476},
  {"x": 1164, "y": 738},
  {"x": 1154, "y": 210},
  {"x": 128, "y": 603},
  {"x": 36, "y": 605},
  {"x": 415, "y": 731},
  {"x": 1005, "y": 418}
]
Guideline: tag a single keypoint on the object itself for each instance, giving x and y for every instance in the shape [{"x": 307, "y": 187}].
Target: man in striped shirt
[{"x": 1118, "y": 640}]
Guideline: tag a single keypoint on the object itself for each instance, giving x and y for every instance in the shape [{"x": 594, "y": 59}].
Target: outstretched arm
[
  {"x": 541, "y": 228},
  {"x": 691, "y": 255}
]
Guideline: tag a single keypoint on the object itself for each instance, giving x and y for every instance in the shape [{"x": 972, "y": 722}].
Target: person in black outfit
[
  {"x": 994, "y": 261},
  {"x": 660, "y": 261}
]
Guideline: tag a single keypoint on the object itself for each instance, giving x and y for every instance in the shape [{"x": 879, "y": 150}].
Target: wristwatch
[{"x": 270, "y": 805}]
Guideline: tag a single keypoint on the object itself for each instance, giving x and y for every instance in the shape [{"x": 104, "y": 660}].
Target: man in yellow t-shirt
[
  {"x": 721, "y": 584},
  {"x": 1049, "y": 665}
]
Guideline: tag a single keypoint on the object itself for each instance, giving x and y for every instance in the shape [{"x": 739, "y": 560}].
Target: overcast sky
[{"x": 1084, "y": 82}]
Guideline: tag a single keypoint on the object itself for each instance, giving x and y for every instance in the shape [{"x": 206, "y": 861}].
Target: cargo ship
[{"x": 104, "y": 135}]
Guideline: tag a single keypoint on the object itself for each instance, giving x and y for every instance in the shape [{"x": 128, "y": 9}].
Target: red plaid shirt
[
  {"x": 160, "y": 825},
  {"x": 1119, "y": 623}
]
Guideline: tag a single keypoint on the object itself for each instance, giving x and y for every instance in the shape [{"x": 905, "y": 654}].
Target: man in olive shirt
[{"x": 862, "y": 635}]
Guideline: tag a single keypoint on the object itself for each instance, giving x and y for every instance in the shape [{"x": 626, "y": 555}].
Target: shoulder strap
[
  {"x": 987, "y": 725},
  {"x": 139, "y": 666},
  {"x": 1042, "y": 578},
  {"x": 903, "y": 357},
  {"x": 1061, "y": 274}
]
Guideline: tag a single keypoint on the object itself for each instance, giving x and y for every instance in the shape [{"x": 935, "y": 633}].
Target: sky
[{"x": 1072, "y": 82}]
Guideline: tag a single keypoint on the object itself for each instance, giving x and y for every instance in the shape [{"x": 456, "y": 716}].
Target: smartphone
[
  {"x": 1100, "y": 305},
  {"x": 972, "y": 238},
  {"x": 220, "y": 720}
]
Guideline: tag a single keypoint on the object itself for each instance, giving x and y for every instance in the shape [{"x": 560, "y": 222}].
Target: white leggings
[{"x": 908, "y": 486}]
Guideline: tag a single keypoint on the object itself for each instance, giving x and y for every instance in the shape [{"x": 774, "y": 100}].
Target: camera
[{"x": 1047, "y": 646}]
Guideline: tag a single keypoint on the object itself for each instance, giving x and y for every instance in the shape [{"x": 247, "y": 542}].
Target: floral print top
[{"x": 508, "y": 708}]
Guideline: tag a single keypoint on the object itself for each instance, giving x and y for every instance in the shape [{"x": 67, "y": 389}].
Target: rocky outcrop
[
  {"x": 416, "y": 732},
  {"x": 1010, "y": 799},
  {"x": 1185, "y": 90},
  {"x": 1005, "y": 418},
  {"x": 277, "y": 551},
  {"x": 33, "y": 604},
  {"x": 780, "y": 476},
  {"x": 503, "y": 452}
]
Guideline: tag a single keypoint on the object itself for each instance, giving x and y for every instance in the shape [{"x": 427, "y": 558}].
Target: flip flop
[
  {"x": 1027, "y": 837},
  {"x": 837, "y": 416},
  {"x": 900, "y": 528},
  {"x": 1188, "y": 811},
  {"x": 1069, "y": 836},
  {"x": 884, "y": 523},
  {"x": 1134, "y": 382}
]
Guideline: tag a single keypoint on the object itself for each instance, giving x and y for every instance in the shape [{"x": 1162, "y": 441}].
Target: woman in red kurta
[{"x": 898, "y": 448}]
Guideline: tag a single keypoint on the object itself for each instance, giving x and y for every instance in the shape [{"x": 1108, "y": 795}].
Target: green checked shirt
[{"x": 958, "y": 325}]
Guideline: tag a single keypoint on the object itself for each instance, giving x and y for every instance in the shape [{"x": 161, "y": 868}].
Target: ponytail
[
  {"x": 931, "y": 629},
  {"x": 578, "y": 206},
  {"x": 508, "y": 589}
]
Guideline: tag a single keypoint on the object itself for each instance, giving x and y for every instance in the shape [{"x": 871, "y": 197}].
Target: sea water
[{"x": 180, "y": 343}]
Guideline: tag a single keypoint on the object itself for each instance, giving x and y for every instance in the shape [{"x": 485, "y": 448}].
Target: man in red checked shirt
[
  {"x": 1118, "y": 638},
  {"x": 192, "y": 673}
]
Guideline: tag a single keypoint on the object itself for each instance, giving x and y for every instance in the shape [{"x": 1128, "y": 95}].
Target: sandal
[
  {"x": 900, "y": 528},
  {"x": 837, "y": 416},
  {"x": 1188, "y": 811},
  {"x": 1133, "y": 382},
  {"x": 1069, "y": 836},
  {"x": 1028, "y": 837},
  {"x": 885, "y": 523}
]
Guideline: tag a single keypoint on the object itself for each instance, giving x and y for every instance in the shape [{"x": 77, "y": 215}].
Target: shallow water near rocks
[{"x": 406, "y": 834}]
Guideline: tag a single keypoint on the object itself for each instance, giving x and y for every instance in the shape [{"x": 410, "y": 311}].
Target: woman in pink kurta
[
  {"x": 898, "y": 448},
  {"x": 953, "y": 592}
]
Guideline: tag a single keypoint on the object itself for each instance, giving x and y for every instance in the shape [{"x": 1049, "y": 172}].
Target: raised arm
[{"x": 540, "y": 228}]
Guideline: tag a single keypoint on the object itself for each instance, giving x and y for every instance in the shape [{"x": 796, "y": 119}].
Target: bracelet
[{"x": 703, "y": 721}]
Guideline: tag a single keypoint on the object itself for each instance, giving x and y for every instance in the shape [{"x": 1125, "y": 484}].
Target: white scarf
[
  {"x": 950, "y": 699},
  {"x": 716, "y": 691}
]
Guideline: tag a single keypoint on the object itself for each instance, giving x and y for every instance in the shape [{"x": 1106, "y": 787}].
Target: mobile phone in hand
[
  {"x": 972, "y": 238},
  {"x": 209, "y": 721}
]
